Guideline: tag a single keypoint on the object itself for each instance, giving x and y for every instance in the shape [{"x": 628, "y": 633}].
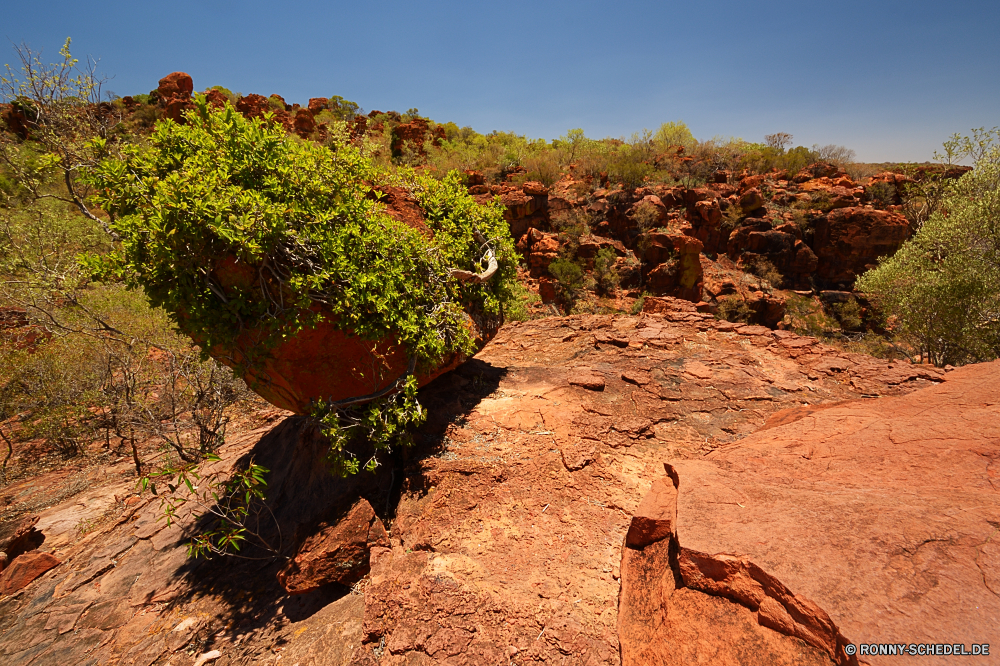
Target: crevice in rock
[{"x": 652, "y": 547}]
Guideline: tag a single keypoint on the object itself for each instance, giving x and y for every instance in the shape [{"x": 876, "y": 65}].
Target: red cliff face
[{"x": 849, "y": 241}]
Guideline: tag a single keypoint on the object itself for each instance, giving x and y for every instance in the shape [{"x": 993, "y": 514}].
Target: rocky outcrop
[
  {"x": 174, "y": 92},
  {"x": 412, "y": 135},
  {"x": 837, "y": 503},
  {"x": 526, "y": 207},
  {"x": 849, "y": 241},
  {"x": 15, "y": 120},
  {"x": 252, "y": 106},
  {"x": 676, "y": 268},
  {"x": 677, "y": 607},
  {"x": 508, "y": 518}
]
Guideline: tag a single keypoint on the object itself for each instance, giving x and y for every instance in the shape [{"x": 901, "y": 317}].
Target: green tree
[
  {"x": 941, "y": 290},
  {"x": 675, "y": 134}
]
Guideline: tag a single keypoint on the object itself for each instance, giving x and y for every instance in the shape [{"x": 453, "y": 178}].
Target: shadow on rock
[{"x": 321, "y": 526}]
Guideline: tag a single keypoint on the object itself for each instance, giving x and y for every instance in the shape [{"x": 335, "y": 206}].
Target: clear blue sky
[{"x": 890, "y": 79}]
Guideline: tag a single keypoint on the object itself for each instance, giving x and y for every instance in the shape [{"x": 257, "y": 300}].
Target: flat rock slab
[{"x": 885, "y": 513}]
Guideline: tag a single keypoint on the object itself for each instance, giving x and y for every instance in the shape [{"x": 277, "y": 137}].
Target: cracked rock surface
[{"x": 507, "y": 521}]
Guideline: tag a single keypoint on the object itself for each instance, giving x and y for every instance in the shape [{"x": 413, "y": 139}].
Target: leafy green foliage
[
  {"x": 604, "y": 271},
  {"x": 309, "y": 243},
  {"x": 941, "y": 290},
  {"x": 228, "y": 505}
]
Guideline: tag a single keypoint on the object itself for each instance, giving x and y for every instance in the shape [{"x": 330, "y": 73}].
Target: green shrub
[
  {"x": 571, "y": 279},
  {"x": 224, "y": 187},
  {"x": 766, "y": 270},
  {"x": 734, "y": 308},
  {"x": 941, "y": 291},
  {"x": 638, "y": 303},
  {"x": 520, "y": 306},
  {"x": 848, "y": 314},
  {"x": 604, "y": 271}
]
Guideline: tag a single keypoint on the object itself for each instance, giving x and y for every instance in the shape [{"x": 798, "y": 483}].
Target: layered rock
[{"x": 508, "y": 520}]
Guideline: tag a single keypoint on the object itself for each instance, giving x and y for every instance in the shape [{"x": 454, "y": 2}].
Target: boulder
[
  {"x": 24, "y": 569},
  {"x": 175, "y": 94},
  {"x": 304, "y": 123},
  {"x": 325, "y": 362},
  {"x": 216, "y": 98},
  {"x": 252, "y": 106},
  {"x": 317, "y": 104},
  {"x": 849, "y": 241},
  {"x": 676, "y": 267},
  {"x": 177, "y": 84},
  {"x": 751, "y": 201},
  {"x": 534, "y": 189},
  {"x": 805, "y": 261},
  {"x": 337, "y": 553},
  {"x": 709, "y": 211}
]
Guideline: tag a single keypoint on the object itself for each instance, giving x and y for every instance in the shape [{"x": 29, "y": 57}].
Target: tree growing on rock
[
  {"x": 249, "y": 239},
  {"x": 941, "y": 290}
]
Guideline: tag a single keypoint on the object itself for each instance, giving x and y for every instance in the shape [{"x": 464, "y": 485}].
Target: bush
[
  {"x": 735, "y": 309},
  {"x": 764, "y": 269},
  {"x": 225, "y": 188},
  {"x": 941, "y": 290},
  {"x": 571, "y": 279},
  {"x": 604, "y": 271},
  {"x": 848, "y": 314},
  {"x": 520, "y": 307}
]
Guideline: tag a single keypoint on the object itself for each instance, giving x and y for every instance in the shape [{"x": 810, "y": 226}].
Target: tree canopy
[{"x": 941, "y": 290}]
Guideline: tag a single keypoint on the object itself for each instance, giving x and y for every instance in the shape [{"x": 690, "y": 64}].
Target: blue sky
[{"x": 890, "y": 79}]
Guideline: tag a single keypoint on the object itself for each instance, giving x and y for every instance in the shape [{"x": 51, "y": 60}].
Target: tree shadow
[{"x": 301, "y": 493}]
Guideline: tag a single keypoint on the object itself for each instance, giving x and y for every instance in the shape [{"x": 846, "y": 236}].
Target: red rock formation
[
  {"x": 849, "y": 241},
  {"x": 177, "y": 84},
  {"x": 523, "y": 211},
  {"x": 304, "y": 123},
  {"x": 336, "y": 553},
  {"x": 174, "y": 92},
  {"x": 15, "y": 120},
  {"x": 413, "y": 135},
  {"x": 506, "y": 542},
  {"x": 24, "y": 569},
  {"x": 317, "y": 104},
  {"x": 880, "y": 511},
  {"x": 252, "y": 106},
  {"x": 216, "y": 98},
  {"x": 676, "y": 268}
]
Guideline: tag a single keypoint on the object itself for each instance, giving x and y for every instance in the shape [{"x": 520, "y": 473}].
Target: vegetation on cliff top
[{"x": 941, "y": 290}]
